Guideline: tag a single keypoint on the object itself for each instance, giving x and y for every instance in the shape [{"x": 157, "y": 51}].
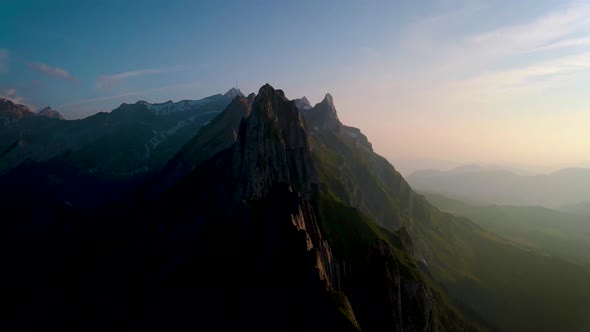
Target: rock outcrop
[
  {"x": 323, "y": 115},
  {"x": 272, "y": 147},
  {"x": 48, "y": 112},
  {"x": 302, "y": 104},
  {"x": 10, "y": 111}
]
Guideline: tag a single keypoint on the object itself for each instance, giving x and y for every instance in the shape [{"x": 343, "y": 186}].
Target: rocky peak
[
  {"x": 12, "y": 111},
  {"x": 233, "y": 93},
  {"x": 328, "y": 100},
  {"x": 323, "y": 115},
  {"x": 251, "y": 97},
  {"x": 272, "y": 147},
  {"x": 303, "y": 104},
  {"x": 48, "y": 112}
]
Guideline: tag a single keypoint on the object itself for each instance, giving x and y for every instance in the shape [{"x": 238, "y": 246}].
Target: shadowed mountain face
[
  {"x": 262, "y": 195},
  {"x": 246, "y": 236}
]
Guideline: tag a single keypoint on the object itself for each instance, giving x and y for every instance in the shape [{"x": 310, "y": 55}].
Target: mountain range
[
  {"x": 267, "y": 213},
  {"x": 559, "y": 233},
  {"x": 475, "y": 184}
]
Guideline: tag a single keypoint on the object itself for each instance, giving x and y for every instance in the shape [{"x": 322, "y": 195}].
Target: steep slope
[
  {"x": 261, "y": 195},
  {"x": 217, "y": 135},
  {"x": 488, "y": 277},
  {"x": 353, "y": 172}
]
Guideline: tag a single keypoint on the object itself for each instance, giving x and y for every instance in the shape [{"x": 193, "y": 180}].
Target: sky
[{"x": 434, "y": 82}]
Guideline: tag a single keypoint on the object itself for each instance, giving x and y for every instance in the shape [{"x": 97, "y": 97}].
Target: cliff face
[
  {"x": 262, "y": 196},
  {"x": 323, "y": 115},
  {"x": 272, "y": 147}
]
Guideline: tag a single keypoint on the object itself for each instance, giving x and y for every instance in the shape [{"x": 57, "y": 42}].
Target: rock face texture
[
  {"x": 272, "y": 147},
  {"x": 302, "y": 104},
  {"x": 260, "y": 195},
  {"x": 323, "y": 115}
]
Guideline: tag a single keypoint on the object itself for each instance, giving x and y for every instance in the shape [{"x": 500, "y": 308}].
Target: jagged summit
[
  {"x": 272, "y": 146},
  {"x": 233, "y": 92},
  {"x": 303, "y": 104},
  {"x": 12, "y": 111},
  {"x": 323, "y": 115},
  {"x": 251, "y": 97},
  {"x": 266, "y": 91},
  {"x": 48, "y": 112},
  {"x": 271, "y": 198},
  {"x": 328, "y": 99}
]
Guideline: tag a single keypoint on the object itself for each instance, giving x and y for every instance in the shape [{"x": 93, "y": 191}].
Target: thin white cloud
[
  {"x": 107, "y": 81},
  {"x": 4, "y": 59},
  {"x": 548, "y": 29},
  {"x": 51, "y": 71},
  {"x": 515, "y": 57},
  {"x": 529, "y": 77},
  {"x": 424, "y": 33},
  {"x": 565, "y": 43}
]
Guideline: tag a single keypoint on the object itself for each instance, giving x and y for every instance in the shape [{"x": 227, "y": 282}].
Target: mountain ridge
[{"x": 562, "y": 187}]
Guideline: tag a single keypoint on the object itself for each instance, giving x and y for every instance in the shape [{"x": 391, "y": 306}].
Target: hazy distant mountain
[
  {"x": 566, "y": 186},
  {"x": 555, "y": 232},
  {"x": 581, "y": 209},
  {"x": 132, "y": 139},
  {"x": 48, "y": 112}
]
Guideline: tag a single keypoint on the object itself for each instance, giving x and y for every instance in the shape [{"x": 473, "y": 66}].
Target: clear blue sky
[{"x": 460, "y": 80}]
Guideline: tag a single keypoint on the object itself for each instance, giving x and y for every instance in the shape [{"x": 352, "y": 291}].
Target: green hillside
[{"x": 507, "y": 286}]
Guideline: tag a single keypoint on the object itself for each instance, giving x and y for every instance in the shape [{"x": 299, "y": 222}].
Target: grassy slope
[
  {"x": 510, "y": 287},
  {"x": 350, "y": 234}
]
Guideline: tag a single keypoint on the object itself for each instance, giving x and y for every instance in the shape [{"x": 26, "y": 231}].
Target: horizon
[
  {"x": 444, "y": 80},
  {"x": 306, "y": 166}
]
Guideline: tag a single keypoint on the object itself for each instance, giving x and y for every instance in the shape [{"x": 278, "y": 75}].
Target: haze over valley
[{"x": 306, "y": 166}]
